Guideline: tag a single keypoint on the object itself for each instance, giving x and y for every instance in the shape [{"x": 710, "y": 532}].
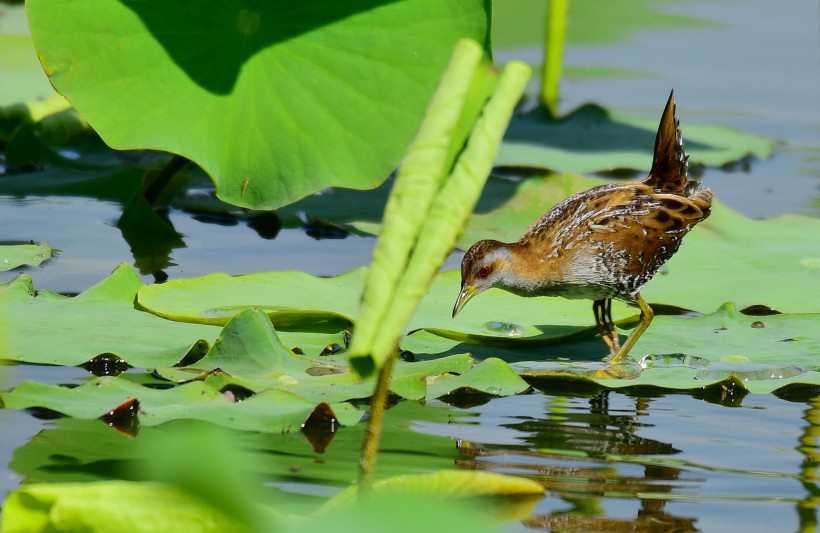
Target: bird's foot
[{"x": 625, "y": 369}]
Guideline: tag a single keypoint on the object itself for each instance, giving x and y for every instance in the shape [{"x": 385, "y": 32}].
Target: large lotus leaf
[
  {"x": 592, "y": 139},
  {"x": 290, "y": 299},
  {"x": 16, "y": 255},
  {"x": 273, "y": 100},
  {"x": 272, "y": 410},
  {"x": 70, "y": 331}
]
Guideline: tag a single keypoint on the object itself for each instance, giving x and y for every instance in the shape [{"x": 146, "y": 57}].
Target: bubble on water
[{"x": 506, "y": 329}]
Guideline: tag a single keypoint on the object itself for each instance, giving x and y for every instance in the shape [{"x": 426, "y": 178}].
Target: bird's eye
[{"x": 484, "y": 271}]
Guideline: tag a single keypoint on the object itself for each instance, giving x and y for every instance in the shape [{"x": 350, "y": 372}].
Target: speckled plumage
[{"x": 602, "y": 243}]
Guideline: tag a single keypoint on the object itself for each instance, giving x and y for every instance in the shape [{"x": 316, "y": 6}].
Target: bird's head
[{"x": 484, "y": 265}]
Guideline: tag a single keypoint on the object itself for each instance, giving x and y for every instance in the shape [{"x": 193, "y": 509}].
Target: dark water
[{"x": 613, "y": 462}]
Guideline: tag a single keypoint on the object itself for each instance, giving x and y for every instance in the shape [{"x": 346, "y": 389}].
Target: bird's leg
[
  {"x": 606, "y": 328},
  {"x": 646, "y": 317}
]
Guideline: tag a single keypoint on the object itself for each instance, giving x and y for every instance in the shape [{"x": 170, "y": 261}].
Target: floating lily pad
[
  {"x": 266, "y": 80},
  {"x": 272, "y": 410},
  {"x": 491, "y": 376},
  {"x": 592, "y": 139},
  {"x": 16, "y": 255},
  {"x": 70, "y": 331},
  {"x": 290, "y": 299},
  {"x": 250, "y": 354}
]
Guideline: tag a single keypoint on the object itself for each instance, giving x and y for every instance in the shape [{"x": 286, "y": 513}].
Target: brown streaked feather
[
  {"x": 636, "y": 228},
  {"x": 669, "y": 162}
]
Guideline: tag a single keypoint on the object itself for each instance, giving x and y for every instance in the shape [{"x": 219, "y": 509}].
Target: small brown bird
[{"x": 602, "y": 243}]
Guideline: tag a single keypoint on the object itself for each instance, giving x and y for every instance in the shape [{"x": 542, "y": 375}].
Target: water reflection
[
  {"x": 807, "y": 445},
  {"x": 574, "y": 453},
  {"x": 614, "y": 462}
]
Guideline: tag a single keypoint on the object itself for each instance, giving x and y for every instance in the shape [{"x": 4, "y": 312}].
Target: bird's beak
[{"x": 467, "y": 292}]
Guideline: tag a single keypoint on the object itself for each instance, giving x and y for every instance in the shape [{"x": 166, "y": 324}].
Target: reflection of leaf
[
  {"x": 336, "y": 67},
  {"x": 150, "y": 236},
  {"x": 16, "y": 255},
  {"x": 70, "y": 331}
]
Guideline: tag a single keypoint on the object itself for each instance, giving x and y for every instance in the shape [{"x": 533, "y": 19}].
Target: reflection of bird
[{"x": 602, "y": 243}]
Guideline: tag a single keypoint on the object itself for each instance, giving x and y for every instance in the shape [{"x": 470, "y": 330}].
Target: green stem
[
  {"x": 373, "y": 433},
  {"x": 553, "y": 53},
  {"x": 160, "y": 185}
]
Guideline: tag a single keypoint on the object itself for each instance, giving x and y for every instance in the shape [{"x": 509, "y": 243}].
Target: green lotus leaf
[
  {"x": 759, "y": 353},
  {"x": 101, "y": 320},
  {"x": 272, "y": 410},
  {"x": 290, "y": 299},
  {"x": 71, "y": 449},
  {"x": 730, "y": 336},
  {"x": 275, "y": 101},
  {"x": 522, "y": 494},
  {"x": 592, "y": 139},
  {"x": 111, "y": 505},
  {"x": 491, "y": 376},
  {"x": 16, "y": 255},
  {"x": 249, "y": 353}
]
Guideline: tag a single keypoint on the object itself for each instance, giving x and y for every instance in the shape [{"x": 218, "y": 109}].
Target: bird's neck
[{"x": 528, "y": 270}]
